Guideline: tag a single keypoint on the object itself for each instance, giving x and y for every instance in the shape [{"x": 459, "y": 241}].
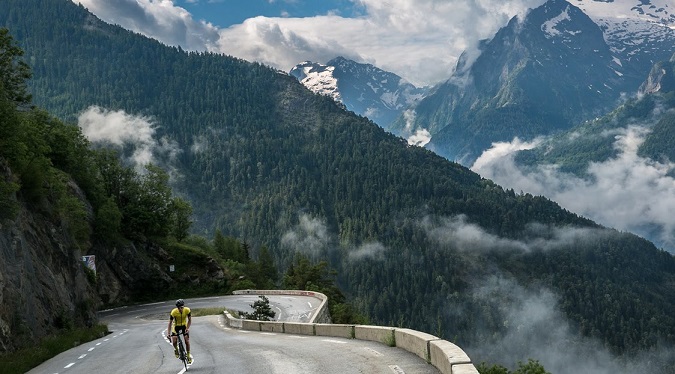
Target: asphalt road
[{"x": 137, "y": 345}]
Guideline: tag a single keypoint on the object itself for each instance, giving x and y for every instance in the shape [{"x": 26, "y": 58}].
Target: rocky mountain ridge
[{"x": 536, "y": 76}]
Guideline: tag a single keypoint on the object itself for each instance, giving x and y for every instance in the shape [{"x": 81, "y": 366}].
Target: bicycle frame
[{"x": 182, "y": 354}]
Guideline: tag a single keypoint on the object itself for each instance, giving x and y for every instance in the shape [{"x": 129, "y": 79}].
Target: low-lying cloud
[
  {"x": 373, "y": 250},
  {"x": 626, "y": 192},
  {"x": 536, "y": 328},
  {"x": 309, "y": 237},
  {"x": 312, "y": 238},
  {"x": 460, "y": 234},
  {"x": 120, "y": 129}
]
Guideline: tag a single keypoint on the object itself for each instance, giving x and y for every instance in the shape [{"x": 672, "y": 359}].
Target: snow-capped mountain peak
[
  {"x": 362, "y": 88},
  {"x": 318, "y": 78}
]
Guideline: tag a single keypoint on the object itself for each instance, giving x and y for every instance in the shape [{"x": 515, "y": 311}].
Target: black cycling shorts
[{"x": 179, "y": 329}]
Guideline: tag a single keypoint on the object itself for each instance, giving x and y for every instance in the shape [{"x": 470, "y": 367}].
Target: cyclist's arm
[
  {"x": 168, "y": 329},
  {"x": 189, "y": 322}
]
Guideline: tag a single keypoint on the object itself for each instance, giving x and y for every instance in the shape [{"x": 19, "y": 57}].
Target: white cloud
[
  {"x": 627, "y": 192},
  {"x": 536, "y": 328},
  {"x": 119, "y": 129},
  {"x": 420, "y": 138},
  {"x": 419, "y": 40},
  {"x": 157, "y": 19},
  {"x": 310, "y": 236},
  {"x": 458, "y": 233},
  {"x": 374, "y": 250}
]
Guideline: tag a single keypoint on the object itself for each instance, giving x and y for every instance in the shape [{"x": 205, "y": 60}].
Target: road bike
[{"x": 182, "y": 354}]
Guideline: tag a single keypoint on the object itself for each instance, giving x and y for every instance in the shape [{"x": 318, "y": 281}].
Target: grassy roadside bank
[{"x": 25, "y": 359}]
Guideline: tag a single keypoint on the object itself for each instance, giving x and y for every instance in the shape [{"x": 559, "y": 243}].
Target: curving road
[{"x": 137, "y": 345}]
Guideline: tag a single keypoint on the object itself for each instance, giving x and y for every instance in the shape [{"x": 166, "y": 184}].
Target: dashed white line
[
  {"x": 91, "y": 349},
  {"x": 69, "y": 365},
  {"x": 376, "y": 353},
  {"x": 83, "y": 356}
]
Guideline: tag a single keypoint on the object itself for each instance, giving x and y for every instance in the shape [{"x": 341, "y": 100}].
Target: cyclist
[{"x": 181, "y": 318}]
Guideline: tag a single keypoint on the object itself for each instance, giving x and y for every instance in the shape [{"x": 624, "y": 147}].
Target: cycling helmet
[{"x": 180, "y": 302}]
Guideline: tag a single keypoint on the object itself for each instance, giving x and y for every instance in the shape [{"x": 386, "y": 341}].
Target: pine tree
[{"x": 261, "y": 310}]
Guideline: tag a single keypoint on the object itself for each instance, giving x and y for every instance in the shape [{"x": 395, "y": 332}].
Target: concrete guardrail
[{"x": 447, "y": 357}]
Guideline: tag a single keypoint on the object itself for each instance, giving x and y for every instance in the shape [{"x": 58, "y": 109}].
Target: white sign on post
[{"x": 90, "y": 262}]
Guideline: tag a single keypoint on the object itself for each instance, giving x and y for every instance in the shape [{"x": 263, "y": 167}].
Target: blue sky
[{"x": 420, "y": 40}]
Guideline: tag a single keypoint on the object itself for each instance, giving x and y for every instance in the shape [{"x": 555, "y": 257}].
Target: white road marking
[
  {"x": 396, "y": 369},
  {"x": 83, "y": 356},
  {"x": 69, "y": 365},
  {"x": 297, "y": 336},
  {"x": 376, "y": 353},
  {"x": 267, "y": 333},
  {"x": 91, "y": 349},
  {"x": 98, "y": 343},
  {"x": 310, "y": 304},
  {"x": 106, "y": 340},
  {"x": 107, "y": 310}
]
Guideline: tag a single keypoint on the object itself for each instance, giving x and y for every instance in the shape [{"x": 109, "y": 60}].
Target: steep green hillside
[{"x": 415, "y": 239}]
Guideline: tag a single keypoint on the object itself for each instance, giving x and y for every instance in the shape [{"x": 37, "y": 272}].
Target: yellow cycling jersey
[{"x": 180, "y": 318}]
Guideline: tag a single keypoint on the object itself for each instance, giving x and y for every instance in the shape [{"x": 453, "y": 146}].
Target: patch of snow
[{"x": 549, "y": 27}]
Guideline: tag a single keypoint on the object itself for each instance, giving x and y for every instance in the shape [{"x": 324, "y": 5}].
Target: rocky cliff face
[
  {"x": 661, "y": 78},
  {"x": 45, "y": 286},
  {"x": 43, "y": 283}
]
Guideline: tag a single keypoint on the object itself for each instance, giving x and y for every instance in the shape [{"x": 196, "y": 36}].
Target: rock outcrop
[{"x": 45, "y": 285}]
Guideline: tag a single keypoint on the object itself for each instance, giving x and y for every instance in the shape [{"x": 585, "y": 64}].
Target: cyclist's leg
[{"x": 174, "y": 340}]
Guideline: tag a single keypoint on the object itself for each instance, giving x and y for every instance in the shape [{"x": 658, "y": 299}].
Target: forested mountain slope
[
  {"x": 60, "y": 201},
  {"x": 418, "y": 241}
]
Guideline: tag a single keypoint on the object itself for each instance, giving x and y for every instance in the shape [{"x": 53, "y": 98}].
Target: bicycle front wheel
[{"x": 183, "y": 354}]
